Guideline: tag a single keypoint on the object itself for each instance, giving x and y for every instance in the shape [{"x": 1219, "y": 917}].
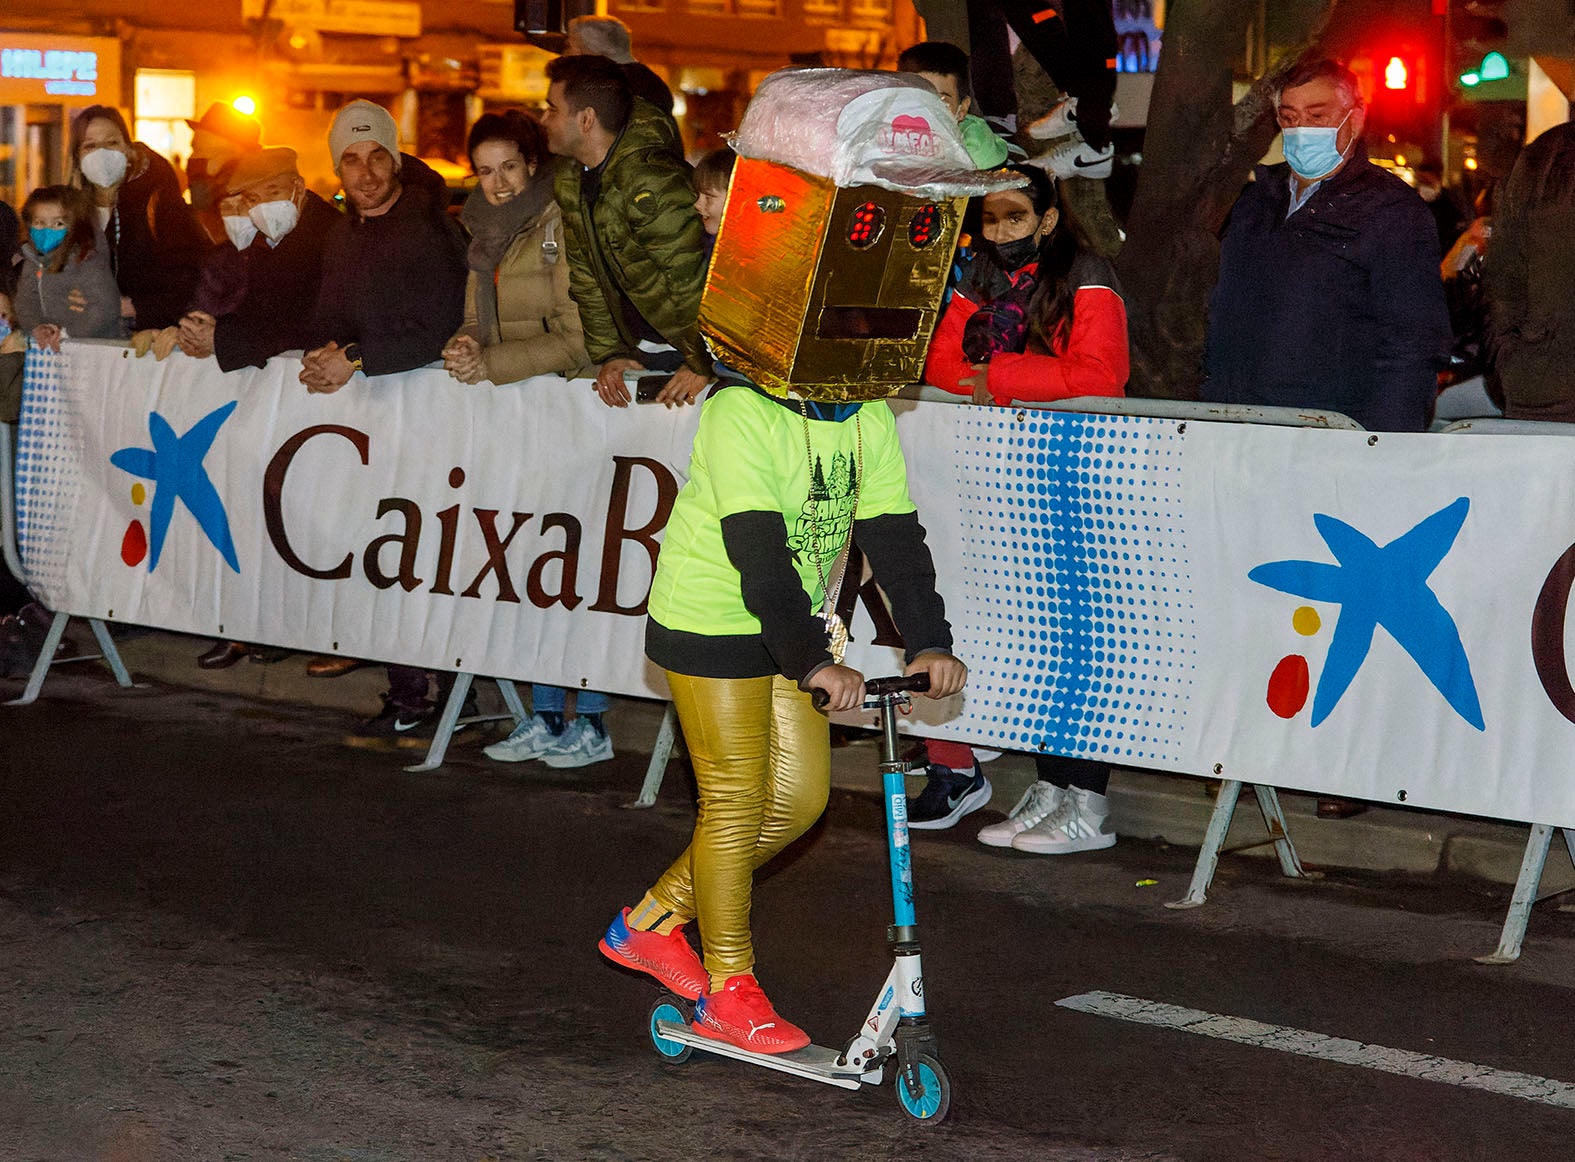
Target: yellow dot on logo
[
  {"x": 1306, "y": 620},
  {"x": 138, "y": 493}
]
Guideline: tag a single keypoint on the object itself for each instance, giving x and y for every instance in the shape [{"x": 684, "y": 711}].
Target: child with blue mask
[{"x": 66, "y": 288}]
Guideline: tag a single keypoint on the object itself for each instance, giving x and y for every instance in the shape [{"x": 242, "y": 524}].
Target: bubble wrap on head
[{"x": 860, "y": 127}]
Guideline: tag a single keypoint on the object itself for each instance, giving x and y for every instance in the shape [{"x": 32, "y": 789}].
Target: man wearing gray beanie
[{"x": 392, "y": 292}]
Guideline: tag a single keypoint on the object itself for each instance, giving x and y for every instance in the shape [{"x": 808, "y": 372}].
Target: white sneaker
[
  {"x": 578, "y": 746},
  {"x": 1061, "y": 120},
  {"x": 1075, "y": 158},
  {"x": 1038, "y": 801},
  {"x": 530, "y": 740},
  {"x": 1081, "y": 822}
]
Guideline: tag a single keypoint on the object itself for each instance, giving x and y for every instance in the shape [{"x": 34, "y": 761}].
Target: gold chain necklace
[{"x": 836, "y": 628}]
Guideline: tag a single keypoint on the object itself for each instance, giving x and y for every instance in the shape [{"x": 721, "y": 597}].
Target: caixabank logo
[
  {"x": 1375, "y": 586},
  {"x": 174, "y": 466}
]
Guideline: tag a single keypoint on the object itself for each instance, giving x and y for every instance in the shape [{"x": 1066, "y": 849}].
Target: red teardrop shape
[
  {"x": 134, "y": 545},
  {"x": 1288, "y": 686}
]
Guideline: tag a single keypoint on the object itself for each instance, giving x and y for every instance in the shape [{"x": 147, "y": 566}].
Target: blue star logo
[
  {"x": 1384, "y": 586},
  {"x": 174, "y": 464}
]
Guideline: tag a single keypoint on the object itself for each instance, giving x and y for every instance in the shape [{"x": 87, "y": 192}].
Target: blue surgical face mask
[
  {"x": 1311, "y": 150},
  {"x": 46, "y": 238}
]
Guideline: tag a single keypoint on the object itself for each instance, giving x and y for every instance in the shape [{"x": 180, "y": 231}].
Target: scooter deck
[{"x": 816, "y": 1062}]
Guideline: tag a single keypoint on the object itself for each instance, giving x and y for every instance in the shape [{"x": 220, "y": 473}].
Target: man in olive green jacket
[{"x": 636, "y": 260}]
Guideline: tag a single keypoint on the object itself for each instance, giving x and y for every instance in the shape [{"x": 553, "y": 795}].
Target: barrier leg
[
  {"x": 46, "y": 657},
  {"x": 446, "y": 724},
  {"x": 106, "y": 646},
  {"x": 1213, "y": 840},
  {"x": 660, "y": 753},
  {"x": 1526, "y": 884},
  {"x": 511, "y": 700},
  {"x": 1274, "y": 820}
]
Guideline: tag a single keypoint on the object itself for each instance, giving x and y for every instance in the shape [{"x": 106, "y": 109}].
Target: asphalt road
[{"x": 224, "y": 935}]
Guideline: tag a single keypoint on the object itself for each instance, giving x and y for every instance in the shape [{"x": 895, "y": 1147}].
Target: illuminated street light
[{"x": 245, "y": 105}]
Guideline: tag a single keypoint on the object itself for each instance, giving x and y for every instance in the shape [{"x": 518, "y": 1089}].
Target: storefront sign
[{"x": 58, "y": 70}]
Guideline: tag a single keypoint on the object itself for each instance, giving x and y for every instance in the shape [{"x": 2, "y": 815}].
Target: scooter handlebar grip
[{"x": 897, "y": 684}]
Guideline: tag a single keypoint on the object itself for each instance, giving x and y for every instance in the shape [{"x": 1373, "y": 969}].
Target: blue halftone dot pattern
[
  {"x": 1077, "y": 568},
  {"x": 47, "y": 481}
]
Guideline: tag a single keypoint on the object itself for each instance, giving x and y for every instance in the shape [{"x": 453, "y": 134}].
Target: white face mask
[
  {"x": 275, "y": 219},
  {"x": 241, "y": 230},
  {"x": 104, "y": 167}
]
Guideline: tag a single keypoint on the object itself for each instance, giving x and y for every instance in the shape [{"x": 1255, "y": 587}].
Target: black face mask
[{"x": 1013, "y": 256}]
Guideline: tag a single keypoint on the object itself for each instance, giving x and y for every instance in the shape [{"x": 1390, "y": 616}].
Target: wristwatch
[{"x": 353, "y": 353}]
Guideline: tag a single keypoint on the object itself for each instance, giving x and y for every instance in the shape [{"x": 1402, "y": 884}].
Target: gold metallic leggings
[{"x": 762, "y": 758}]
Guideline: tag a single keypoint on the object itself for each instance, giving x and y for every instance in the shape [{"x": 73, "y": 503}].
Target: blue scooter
[{"x": 897, "y": 1027}]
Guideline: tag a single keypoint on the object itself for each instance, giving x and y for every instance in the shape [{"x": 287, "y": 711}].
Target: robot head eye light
[
  {"x": 866, "y": 225},
  {"x": 925, "y": 226}
]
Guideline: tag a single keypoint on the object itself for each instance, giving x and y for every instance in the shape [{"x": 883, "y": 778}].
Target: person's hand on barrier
[
  {"x": 842, "y": 685},
  {"x": 609, "y": 381},
  {"x": 686, "y": 386},
  {"x": 462, "y": 359},
  {"x": 195, "y": 334},
  {"x": 978, "y": 383},
  {"x": 947, "y": 674},
  {"x": 47, "y": 336},
  {"x": 326, "y": 370}
]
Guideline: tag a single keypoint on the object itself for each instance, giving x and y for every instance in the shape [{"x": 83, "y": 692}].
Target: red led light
[
  {"x": 864, "y": 228},
  {"x": 925, "y": 226}
]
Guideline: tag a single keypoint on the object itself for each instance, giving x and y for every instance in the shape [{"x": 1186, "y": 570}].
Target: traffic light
[
  {"x": 1479, "y": 32},
  {"x": 545, "y": 23}
]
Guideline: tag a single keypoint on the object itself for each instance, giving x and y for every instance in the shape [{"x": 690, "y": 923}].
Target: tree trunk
[{"x": 1198, "y": 154}]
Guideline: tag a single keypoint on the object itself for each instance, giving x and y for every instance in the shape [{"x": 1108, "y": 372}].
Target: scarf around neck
[{"x": 493, "y": 228}]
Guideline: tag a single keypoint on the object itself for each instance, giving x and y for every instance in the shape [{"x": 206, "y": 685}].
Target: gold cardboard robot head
[{"x": 841, "y": 222}]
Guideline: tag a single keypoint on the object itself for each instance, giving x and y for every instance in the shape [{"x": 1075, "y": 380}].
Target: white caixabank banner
[{"x": 1382, "y": 617}]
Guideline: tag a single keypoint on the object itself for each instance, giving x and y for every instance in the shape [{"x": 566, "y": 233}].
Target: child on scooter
[{"x": 776, "y": 488}]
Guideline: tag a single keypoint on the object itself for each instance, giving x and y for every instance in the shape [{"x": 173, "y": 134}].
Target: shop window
[
  {"x": 762, "y": 8},
  {"x": 823, "y": 10},
  {"x": 871, "y": 12},
  {"x": 165, "y": 99}
]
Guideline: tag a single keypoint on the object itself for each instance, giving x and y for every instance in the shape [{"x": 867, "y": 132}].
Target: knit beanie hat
[{"x": 363, "y": 121}]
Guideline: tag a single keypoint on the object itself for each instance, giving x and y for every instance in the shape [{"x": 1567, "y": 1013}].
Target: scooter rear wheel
[
  {"x": 935, "y": 1096},
  {"x": 670, "y": 1008}
]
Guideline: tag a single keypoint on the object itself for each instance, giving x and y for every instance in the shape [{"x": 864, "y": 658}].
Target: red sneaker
[
  {"x": 741, "y": 1015},
  {"x": 668, "y": 958}
]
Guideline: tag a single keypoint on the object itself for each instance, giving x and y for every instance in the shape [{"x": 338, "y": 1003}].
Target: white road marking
[{"x": 1402, "y": 1062}]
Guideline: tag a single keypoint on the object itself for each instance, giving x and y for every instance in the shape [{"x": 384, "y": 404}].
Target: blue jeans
[{"x": 550, "y": 699}]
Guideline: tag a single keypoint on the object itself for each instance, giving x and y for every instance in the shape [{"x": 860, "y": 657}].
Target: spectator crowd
[{"x": 582, "y": 251}]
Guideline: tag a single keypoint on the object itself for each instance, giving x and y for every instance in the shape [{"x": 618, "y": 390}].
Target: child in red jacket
[{"x": 1034, "y": 317}]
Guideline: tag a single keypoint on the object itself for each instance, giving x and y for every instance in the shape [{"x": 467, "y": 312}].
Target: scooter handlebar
[{"x": 882, "y": 687}]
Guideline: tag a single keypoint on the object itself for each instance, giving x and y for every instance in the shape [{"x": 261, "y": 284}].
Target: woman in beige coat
[{"x": 519, "y": 319}]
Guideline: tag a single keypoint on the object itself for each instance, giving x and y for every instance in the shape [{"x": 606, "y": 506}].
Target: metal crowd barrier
[
  {"x": 57, "y": 626},
  {"x": 449, "y": 720}
]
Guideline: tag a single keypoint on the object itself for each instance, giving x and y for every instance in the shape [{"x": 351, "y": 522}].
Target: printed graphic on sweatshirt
[{"x": 827, "y": 516}]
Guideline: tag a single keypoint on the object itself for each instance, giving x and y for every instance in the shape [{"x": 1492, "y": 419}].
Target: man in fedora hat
[{"x": 218, "y": 140}]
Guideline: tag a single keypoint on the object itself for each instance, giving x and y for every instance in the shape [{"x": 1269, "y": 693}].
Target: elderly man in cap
[
  {"x": 259, "y": 287},
  {"x": 393, "y": 287},
  {"x": 393, "y": 291},
  {"x": 255, "y": 298}
]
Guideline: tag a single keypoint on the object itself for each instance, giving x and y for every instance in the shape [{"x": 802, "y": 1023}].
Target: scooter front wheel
[
  {"x": 670, "y": 1008},
  {"x": 928, "y": 1107}
]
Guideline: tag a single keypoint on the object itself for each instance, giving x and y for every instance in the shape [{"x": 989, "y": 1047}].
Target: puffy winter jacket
[
  {"x": 82, "y": 297},
  {"x": 642, "y": 242}
]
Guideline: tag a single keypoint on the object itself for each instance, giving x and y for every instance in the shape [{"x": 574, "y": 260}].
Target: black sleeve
[
  {"x": 793, "y": 634},
  {"x": 10, "y": 239},
  {"x": 894, "y": 546}
]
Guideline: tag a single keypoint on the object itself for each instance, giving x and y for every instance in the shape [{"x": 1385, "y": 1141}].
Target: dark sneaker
[
  {"x": 949, "y": 796},
  {"x": 670, "y": 959},
  {"x": 741, "y": 1015},
  {"x": 403, "y": 727}
]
